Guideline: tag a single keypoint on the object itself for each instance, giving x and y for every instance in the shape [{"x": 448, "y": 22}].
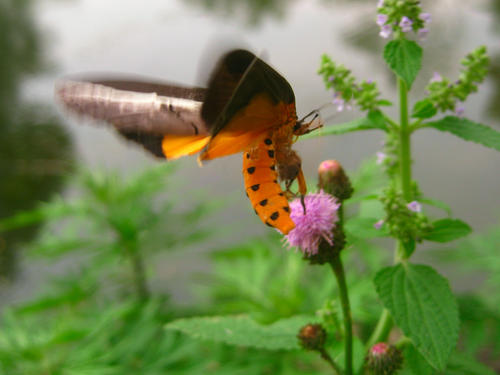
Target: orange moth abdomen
[{"x": 262, "y": 187}]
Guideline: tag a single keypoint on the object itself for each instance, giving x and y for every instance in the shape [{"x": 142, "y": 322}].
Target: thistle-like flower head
[{"x": 313, "y": 225}]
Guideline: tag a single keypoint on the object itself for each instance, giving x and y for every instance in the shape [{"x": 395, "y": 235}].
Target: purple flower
[
  {"x": 459, "y": 110},
  {"x": 385, "y": 31},
  {"x": 414, "y": 206},
  {"x": 380, "y": 157},
  {"x": 422, "y": 33},
  {"x": 381, "y": 19},
  {"x": 315, "y": 225},
  {"x": 338, "y": 101},
  {"x": 331, "y": 78},
  {"x": 426, "y": 17},
  {"x": 436, "y": 77},
  {"x": 378, "y": 224},
  {"x": 405, "y": 24}
]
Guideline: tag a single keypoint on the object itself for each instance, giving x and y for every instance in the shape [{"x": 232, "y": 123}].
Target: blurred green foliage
[
  {"x": 101, "y": 315},
  {"x": 35, "y": 151}
]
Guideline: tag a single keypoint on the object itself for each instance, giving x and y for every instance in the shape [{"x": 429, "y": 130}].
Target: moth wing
[
  {"x": 139, "y": 110},
  {"x": 246, "y": 128}
]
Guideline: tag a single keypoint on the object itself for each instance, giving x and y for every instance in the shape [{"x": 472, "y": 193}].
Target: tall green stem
[
  {"x": 404, "y": 143},
  {"x": 138, "y": 272},
  {"x": 385, "y": 323},
  {"x": 338, "y": 269}
]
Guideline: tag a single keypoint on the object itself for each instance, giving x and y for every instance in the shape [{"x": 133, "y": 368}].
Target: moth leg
[{"x": 302, "y": 188}]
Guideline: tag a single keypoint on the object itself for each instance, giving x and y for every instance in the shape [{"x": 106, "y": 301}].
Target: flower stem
[
  {"x": 338, "y": 269},
  {"x": 382, "y": 329},
  {"x": 336, "y": 369},
  {"x": 404, "y": 146}
]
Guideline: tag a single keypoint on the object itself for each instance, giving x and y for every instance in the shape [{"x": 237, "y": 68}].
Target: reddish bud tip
[
  {"x": 333, "y": 180},
  {"x": 312, "y": 337}
]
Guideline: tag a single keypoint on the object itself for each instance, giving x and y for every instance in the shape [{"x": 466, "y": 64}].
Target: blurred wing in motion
[{"x": 140, "y": 111}]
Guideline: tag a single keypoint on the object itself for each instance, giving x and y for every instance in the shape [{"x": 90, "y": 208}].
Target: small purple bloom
[
  {"x": 339, "y": 102},
  {"x": 378, "y": 224},
  {"x": 436, "y": 77},
  {"x": 380, "y": 157},
  {"x": 405, "y": 24},
  {"x": 380, "y": 3},
  {"x": 381, "y": 19},
  {"x": 459, "y": 110},
  {"x": 385, "y": 31},
  {"x": 414, "y": 206},
  {"x": 422, "y": 33},
  {"x": 331, "y": 78},
  {"x": 426, "y": 17},
  {"x": 315, "y": 225}
]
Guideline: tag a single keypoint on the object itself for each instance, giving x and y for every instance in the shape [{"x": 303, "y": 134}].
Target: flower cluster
[
  {"x": 396, "y": 16},
  {"x": 444, "y": 95},
  {"x": 345, "y": 89},
  {"x": 403, "y": 220},
  {"x": 388, "y": 158}
]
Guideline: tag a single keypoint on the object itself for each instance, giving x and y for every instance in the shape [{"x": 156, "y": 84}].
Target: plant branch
[{"x": 338, "y": 270}]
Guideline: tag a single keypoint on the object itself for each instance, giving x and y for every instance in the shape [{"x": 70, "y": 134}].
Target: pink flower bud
[{"x": 384, "y": 359}]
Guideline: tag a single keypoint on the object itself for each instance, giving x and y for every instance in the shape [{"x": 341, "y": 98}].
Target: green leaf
[
  {"x": 352, "y": 126},
  {"x": 445, "y": 230},
  {"x": 384, "y": 102},
  {"x": 405, "y": 59},
  {"x": 241, "y": 330},
  {"x": 423, "y": 306},
  {"x": 423, "y": 109},
  {"x": 414, "y": 363},
  {"x": 377, "y": 118},
  {"x": 468, "y": 130}
]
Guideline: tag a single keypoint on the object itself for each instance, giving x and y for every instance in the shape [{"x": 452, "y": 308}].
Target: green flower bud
[{"x": 333, "y": 180}]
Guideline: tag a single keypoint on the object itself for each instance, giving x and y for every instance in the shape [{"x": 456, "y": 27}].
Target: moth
[{"x": 247, "y": 107}]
